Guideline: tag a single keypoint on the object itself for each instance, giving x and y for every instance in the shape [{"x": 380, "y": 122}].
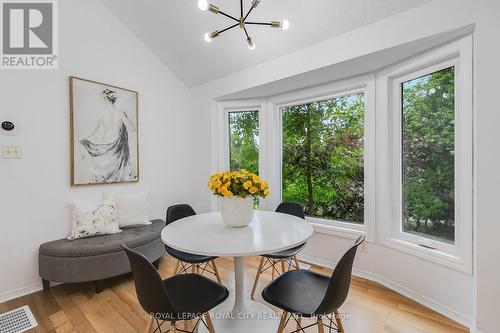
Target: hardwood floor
[{"x": 370, "y": 307}]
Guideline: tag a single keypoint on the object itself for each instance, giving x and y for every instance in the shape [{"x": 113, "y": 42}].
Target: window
[
  {"x": 429, "y": 156},
  {"x": 323, "y": 157},
  {"x": 243, "y": 129},
  {"x": 244, "y": 140},
  {"x": 428, "y": 148}
]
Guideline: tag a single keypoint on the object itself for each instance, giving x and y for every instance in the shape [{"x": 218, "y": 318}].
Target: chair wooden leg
[
  {"x": 284, "y": 317},
  {"x": 273, "y": 268},
  {"x": 193, "y": 268},
  {"x": 299, "y": 323},
  {"x": 173, "y": 327},
  {"x": 216, "y": 271},
  {"x": 339, "y": 322},
  {"x": 321, "y": 329},
  {"x": 257, "y": 276},
  {"x": 210, "y": 325},
  {"x": 197, "y": 269},
  {"x": 296, "y": 262},
  {"x": 177, "y": 266},
  {"x": 283, "y": 266},
  {"x": 149, "y": 325},
  {"x": 196, "y": 327}
]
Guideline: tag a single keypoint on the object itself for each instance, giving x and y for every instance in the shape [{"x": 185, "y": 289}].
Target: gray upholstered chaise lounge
[{"x": 98, "y": 258}]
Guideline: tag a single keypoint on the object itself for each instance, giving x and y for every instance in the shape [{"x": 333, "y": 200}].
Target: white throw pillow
[
  {"x": 132, "y": 208},
  {"x": 89, "y": 220}
]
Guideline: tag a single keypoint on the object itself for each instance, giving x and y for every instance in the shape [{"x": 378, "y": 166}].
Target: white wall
[
  {"x": 470, "y": 299},
  {"x": 35, "y": 191}
]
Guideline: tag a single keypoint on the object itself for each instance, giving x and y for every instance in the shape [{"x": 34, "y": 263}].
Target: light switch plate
[{"x": 12, "y": 152}]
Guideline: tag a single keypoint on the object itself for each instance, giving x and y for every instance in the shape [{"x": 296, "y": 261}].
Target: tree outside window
[{"x": 323, "y": 157}]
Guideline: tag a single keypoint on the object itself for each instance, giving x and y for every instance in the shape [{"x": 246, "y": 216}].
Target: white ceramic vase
[{"x": 236, "y": 211}]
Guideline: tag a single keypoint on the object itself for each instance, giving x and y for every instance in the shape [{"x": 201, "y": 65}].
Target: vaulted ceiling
[{"x": 174, "y": 29}]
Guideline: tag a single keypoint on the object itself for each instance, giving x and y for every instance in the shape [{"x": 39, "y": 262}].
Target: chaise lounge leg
[
  {"x": 46, "y": 285},
  {"x": 99, "y": 286}
]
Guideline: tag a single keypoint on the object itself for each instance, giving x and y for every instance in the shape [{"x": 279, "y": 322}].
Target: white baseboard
[
  {"x": 32, "y": 288},
  {"x": 7, "y": 296},
  {"x": 425, "y": 301}
]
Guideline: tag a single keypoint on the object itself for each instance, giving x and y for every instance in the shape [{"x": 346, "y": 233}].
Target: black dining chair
[
  {"x": 178, "y": 298},
  {"x": 303, "y": 293},
  {"x": 287, "y": 258},
  {"x": 187, "y": 262}
]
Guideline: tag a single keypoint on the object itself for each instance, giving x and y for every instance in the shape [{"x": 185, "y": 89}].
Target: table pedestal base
[
  {"x": 258, "y": 318},
  {"x": 240, "y": 315}
]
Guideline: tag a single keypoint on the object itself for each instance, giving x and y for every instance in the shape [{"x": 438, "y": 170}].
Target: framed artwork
[{"x": 104, "y": 137}]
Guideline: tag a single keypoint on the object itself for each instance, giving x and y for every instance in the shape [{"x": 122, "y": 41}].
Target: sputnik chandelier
[{"x": 241, "y": 21}]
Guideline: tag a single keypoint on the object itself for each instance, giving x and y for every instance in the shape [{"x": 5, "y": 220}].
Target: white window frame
[
  {"x": 273, "y": 150},
  {"x": 223, "y": 149},
  {"x": 459, "y": 55}
]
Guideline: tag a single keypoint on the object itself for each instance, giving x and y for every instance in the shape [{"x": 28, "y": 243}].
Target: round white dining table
[{"x": 268, "y": 232}]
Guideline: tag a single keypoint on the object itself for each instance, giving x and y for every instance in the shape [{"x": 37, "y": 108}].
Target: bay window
[{"x": 387, "y": 155}]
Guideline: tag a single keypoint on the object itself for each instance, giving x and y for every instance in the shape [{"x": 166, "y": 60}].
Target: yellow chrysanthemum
[{"x": 222, "y": 183}]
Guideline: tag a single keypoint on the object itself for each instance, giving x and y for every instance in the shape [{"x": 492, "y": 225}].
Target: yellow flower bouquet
[{"x": 240, "y": 183}]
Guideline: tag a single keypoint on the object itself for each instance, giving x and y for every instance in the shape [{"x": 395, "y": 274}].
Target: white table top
[{"x": 206, "y": 234}]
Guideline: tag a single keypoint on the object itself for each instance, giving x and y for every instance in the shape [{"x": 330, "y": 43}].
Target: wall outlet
[
  {"x": 12, "y": 152},
  {"x": 364, "y": 247}
]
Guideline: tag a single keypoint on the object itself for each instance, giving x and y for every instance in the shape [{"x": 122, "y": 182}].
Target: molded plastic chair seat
[
  {"x": 189, "y": 261},
  {"x": 179, "y": 298},
  {"x": 194, "y": 293},
  {"x": 298, "y": 291},
  {"x": 286, "y": 253},
  {"x": 188, "y": 257},
  {"x": 309, "y": 294},
  {"x": 288, "y": 257}
]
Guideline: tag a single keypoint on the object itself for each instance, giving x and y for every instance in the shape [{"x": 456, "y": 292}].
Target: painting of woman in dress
[{"x": 104, "y": 133}]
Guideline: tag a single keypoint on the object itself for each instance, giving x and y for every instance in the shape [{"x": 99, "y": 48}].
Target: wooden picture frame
[{"x": 104, "y": 133}]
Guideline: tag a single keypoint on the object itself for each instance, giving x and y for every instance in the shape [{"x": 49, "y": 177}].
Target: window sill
[
  {"x": 339, "y": 229},
  {"x": 432, "y": 255}
]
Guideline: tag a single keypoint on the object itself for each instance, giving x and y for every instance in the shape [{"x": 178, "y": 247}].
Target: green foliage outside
[
  {"x": 323, "y": 157},
  {"x": 428, "y": 155},
  {"x": 323, "y": 166},
  {"x": 244, "y": 141}
]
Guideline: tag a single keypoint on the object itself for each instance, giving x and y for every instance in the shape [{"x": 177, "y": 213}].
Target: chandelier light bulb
[
  {"x": 208, "y": 37},
  {"x": 203, "y": 4},
  {"x": 255, "y": 3},
  {"x": 251, "y": 44},
  {"x": 285, "y": 25}
]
